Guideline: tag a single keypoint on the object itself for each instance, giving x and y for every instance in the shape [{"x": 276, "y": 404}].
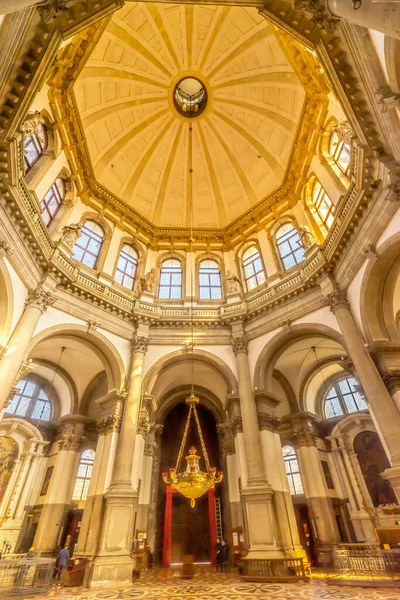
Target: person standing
[
  {"x": 218, "y": 555},
  {"x": 62, "y": 560},
  {"x": 224, "y": 556}
]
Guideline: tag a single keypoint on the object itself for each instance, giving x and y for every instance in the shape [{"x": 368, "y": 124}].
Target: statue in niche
[
  {"x": 70, "y": 234},
  {"x": 307, "y": 238},
  {"x": 148, "y": 282},
  {"x": 8, "y": 456},
  {"x": 233, "y": 285}
]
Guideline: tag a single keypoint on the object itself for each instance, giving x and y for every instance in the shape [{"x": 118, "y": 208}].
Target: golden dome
[{"x": 137, "y": 139}]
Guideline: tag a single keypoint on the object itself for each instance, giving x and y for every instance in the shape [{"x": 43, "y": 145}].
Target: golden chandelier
[{"x": 192, "y": 483}]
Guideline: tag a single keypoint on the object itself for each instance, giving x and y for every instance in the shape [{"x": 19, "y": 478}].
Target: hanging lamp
[{"x": 192, "y": 482}]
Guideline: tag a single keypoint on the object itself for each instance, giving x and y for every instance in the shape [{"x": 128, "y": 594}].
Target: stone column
[
  {"x": 114, "y": 561},
  {"x": 257, "y": 493},
  {"x": 69, "y": 440},
  {"x": 384, "y": 410},
  {"x": 108, "y": 427},
  {"x": 17, "y": 348},
  {"x": 382, "y": 16}
]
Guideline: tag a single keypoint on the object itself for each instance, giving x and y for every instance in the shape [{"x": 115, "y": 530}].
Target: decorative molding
[
  {"x": 5, "y": 249},
  {"x": 240, "y": 344},
  {"x": 40, "y": 299},
  {"x": 226, "y": 438},
  {"x": 318, "y": 12},
  {"x": 267, "y": 422},
  {"x": 93, "y": 326},
  {"x": 111, "y": 423},
  {"x": 237, "y": 425},
  {"x": 337, "y": 300},
  {"x": 70, "y": 234},
  {"x": 391, "y": 379},
  {"x": 31, "y": 125},
  {"x": 140, "y": 343}
]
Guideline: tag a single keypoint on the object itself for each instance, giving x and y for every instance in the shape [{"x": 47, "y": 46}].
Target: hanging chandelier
[{"x": 192, "y": 482}]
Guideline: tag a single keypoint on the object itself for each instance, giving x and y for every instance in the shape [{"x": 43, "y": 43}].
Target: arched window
[
  {"x": 290, "y": 246},
  {"x": 34, "y": 145},
  {"x": 292, "y": 470},
  {"x": 51, "y": 203},
  {"x": 340, "y": 151},
  {"x": 87, "y": 248},
  {"x": 170, "y": 280},
  {"x": 125, "y": 272},
  {"x": 31, "y": 401},
  {"x": 209, "y": 280},
  {"x": 323, "y": 206},
  {"x": 253, "y": 269},
  {"x": 343, "y": 398},
  {"x": 84, "y": 474}
]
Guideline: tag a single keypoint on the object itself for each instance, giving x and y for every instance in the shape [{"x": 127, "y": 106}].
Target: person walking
[{"x": 62, "y": 560}]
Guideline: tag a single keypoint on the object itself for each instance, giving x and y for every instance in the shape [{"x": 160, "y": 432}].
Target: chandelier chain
[
  {"x": 183, "y": 443},
  {"x": 203, "y": 446}
]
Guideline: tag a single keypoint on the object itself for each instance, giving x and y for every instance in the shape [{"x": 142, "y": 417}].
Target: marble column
[
  {"x": 57, "y": 500},
  {"x": 18, "y": 345},
  {"x": 257, "y": 494},
  {"x": 114, "y": 561},
  {"x": 383, "y": 408}
]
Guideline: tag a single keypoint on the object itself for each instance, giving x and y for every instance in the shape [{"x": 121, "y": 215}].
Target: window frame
[
  {"x": 279, "y": 242},
  {"x": 341, "y": 398},
  {"x": 56, "y": 194},
  {"x": 131, "y": 259},
  {"x": 338, "y": 148},
  {"x": 250, "y": 261},
  {"x": 208, "y": 272},
  {"x": 88, "y": 463},
  {"x": 87, "y": 252},
  {"x": 317, "y": 198},
  {"x": 165, "y": 271},
  {"x": 33, "y": 400},
  {"x": 288, "y": 460},
  {"x": 39, "y": 147}
]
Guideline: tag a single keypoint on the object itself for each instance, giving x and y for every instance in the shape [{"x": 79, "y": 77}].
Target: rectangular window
[
  {"x": 46, "y": 481},
  {"x": 327, "y": 474}
]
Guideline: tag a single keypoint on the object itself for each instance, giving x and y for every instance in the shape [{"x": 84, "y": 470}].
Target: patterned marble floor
[{"x": 222, "y": 587}]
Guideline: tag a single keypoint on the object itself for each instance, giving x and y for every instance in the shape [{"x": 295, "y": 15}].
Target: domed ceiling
[{"x": 142, "y": 148}]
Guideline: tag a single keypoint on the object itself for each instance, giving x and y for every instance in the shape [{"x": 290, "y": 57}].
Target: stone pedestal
[{"x": 260, "y": 522}]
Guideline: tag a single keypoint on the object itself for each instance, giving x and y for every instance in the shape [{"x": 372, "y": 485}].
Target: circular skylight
[{"x": 190, "y": 97}]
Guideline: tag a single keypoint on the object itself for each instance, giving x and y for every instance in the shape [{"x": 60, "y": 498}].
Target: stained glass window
[
  {"x": 209, "y": 280},
  {"x": 340, "y": 151},
  {"x": 52, "y": 201},
  {"x": 254, "y": 274},
  {"x": 125, "y": 272},
  {"x": 170, "y": 286},
  {"x": 84, "y": 474},
  {"x": 290, "y": 246},
  {"x": 87, "y": 248},
  {"x": 323, "y": 205},
  {"x": 31, "y": 401},
  {"x": 292, "y": 470},
  {"x": 344, "y": 397},
  {"x": 34, "y": 146}
]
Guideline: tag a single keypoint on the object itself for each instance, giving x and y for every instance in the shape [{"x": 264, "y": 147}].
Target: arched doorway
[{"x": 192, "y": 529}]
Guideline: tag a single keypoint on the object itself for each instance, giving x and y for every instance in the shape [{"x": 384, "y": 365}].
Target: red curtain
[
  {"x": 167, "y": 529},
  {"x": 212, "y": 525}
]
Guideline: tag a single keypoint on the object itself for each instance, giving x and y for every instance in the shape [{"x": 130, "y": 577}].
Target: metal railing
[
  {"x": 364, "y": 563},
  {"x": 274, "y": 569},
  {"x": 24, "y": 576}
]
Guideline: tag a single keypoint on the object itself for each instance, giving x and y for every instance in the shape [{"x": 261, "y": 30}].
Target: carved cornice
[
  {"x": 318, "y": 12},
  {"x": 140, "y": 344},
  {"x": 337, "y": 300},
  {"x": 54, "y": 8},
  {"x": 392, "y": 380},
  {"x": 40, "y": 299},
  {"x": 240, "y": 344}
]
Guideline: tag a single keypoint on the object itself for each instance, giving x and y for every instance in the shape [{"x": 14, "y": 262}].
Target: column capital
[
  {"x": 226, "y": 438},
  {"x": 40, "y": 299},
  {"x": 140, "y": 343},
  {"x": 240, "y": 344},
  {"x": 267, "y": 422},
  {"x": 111, "y": 423},
  {"x": 338, "y": 299}
]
